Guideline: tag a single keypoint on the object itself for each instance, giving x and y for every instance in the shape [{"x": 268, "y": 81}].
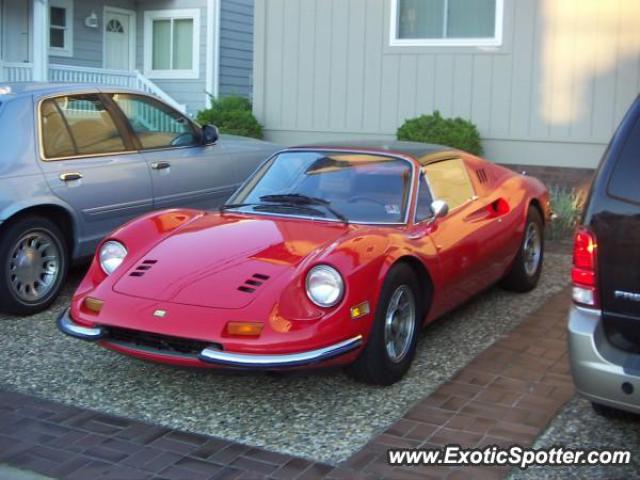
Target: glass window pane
[
  {"x": 450, "y": 182},
  {"x": 55, "y": 136},
  {"x": 471, "y": 19},
  {"x": 156, "y": 125},
  {"x": 183, "y": 44},
  {"x": 58, "y": 16},
  {"x": 423, "y": 203},
  {"x": 624, "y": 179},
  {"x": 161, "y": 45},
  {"x": 56, "y": 37},
  {"x": 421, "y": 18},
  {"x": 91, "y": 125}
]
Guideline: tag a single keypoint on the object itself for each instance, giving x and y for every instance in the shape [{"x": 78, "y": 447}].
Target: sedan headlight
[
  {"x": 112, "y": 254},
  {"x": 325, "y": 286}
]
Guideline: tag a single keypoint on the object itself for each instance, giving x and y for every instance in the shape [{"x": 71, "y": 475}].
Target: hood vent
[
  {"x": 251, "y": 284},
  {"x": 144, "y": 267},
  {"x": 482, "y": 175}
]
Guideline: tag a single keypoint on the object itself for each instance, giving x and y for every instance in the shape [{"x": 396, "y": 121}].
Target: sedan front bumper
[
  {"x": 68, "y": 326},
  {"x": 215, "y": 356}
]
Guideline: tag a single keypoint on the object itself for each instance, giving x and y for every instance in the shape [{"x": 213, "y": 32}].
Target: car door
[
  {"x": 184, "y": 172},
  {"x": 89, "y": 161},
  {"x": 458, "y": 241}
]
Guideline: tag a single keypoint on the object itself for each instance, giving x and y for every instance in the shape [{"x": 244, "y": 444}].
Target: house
[
  {"x": 545, "y": 81},
  {"x": 180, "y": 50}
]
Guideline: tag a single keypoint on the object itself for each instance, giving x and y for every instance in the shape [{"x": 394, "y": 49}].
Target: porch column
[{"x": 40, "y": 29}]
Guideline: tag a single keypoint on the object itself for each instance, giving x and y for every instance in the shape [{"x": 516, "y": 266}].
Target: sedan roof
[{"x": 40, "y": 89}]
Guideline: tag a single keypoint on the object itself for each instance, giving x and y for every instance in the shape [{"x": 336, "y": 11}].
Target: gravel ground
[
  {"x": 577, "y": 426},
  {"x": 320, "y": 415}
]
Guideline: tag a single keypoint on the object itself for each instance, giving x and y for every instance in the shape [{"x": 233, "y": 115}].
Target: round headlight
[
  {"x": 324, "y": 286},
  {"x": 112, "y": 254}
]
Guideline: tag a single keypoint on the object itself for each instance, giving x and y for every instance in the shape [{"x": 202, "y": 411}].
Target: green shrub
[
  {"x": 567, "y": 204},
  {"x": 453, "y": 132},
  {"x": 231, "y": 115}
]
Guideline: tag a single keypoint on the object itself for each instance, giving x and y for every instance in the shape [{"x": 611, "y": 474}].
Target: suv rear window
[{"x": 626, "y": 174}]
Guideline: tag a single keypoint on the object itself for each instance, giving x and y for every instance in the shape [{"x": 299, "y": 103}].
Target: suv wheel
[
  {"x": 34, "y": 262},
  {"x": 527, "y": 267}
]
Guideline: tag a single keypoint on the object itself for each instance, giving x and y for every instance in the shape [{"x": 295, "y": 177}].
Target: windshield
[{"x": 351, "y": 187}]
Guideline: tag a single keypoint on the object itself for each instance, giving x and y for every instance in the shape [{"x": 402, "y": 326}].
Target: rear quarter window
[{"x": 625, "y": 179}]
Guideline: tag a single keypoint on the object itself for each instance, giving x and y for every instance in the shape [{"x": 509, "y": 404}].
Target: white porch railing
[
  {"x": 23, "y": 72},
  {"x": 16, "y": 72}
]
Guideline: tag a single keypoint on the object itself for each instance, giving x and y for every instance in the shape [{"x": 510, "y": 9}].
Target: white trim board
[{"x": 212, "y": 51}]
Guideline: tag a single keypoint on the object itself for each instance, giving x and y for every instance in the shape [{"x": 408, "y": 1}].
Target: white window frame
[
  {"x": 495, "y": 41},
  {"x": 179, "y": 14},
  {"x": 67, "y": 51}
]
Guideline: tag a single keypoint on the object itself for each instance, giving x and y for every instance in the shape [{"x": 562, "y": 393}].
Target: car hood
[{"x": 224, "y": 261}]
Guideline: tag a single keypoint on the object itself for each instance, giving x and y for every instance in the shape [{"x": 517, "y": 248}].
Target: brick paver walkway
[{"x": 505, "y": 396}]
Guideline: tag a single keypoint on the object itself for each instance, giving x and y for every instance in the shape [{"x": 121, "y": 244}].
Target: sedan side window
[
  {"x": 450, "y": 182},
  {"x": 78, "y": 125},
  {"x": 156, "y": 125}
]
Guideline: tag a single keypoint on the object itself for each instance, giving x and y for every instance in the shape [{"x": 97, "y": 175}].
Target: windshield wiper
[
  {"x": 272, "y": 206},
  {"x": 300, "y": 199}
]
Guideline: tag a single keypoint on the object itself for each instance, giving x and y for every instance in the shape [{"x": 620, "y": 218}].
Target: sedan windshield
[{"x": 348, "y": 187}]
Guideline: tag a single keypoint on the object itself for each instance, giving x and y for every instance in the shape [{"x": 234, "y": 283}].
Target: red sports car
[{"x": 326, "y": 255}]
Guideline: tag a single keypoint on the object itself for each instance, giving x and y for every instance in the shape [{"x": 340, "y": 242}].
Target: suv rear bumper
[{"x": 599, "y": 369}]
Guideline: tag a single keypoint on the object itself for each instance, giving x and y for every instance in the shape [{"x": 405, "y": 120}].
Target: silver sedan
[{"x": 78, "y": 161}]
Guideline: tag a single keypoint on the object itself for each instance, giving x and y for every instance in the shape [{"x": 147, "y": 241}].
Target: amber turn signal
[
  {"x": 244, "y": 329},
  {"x": 360, "y": 310},
  {"x": 93, "y": 305}
]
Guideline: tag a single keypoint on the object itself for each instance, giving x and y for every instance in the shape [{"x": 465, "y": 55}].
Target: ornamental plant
[{"x": 453, "y": 132}]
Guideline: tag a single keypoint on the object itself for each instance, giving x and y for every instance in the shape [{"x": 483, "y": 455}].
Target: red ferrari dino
[{"x": 326, "y": 255}]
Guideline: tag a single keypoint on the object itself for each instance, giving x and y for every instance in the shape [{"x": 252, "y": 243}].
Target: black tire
[
  {"x": 612, "y": 413},
  {"x": 50, "y": 283},
  {"x": 374, "y": 365},
  {"x": 522, "y": 278}
]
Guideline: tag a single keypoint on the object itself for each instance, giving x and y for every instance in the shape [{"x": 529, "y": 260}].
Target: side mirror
[
  {"x": 440, "y": 209},
  {"x": 210, "y": 134}
]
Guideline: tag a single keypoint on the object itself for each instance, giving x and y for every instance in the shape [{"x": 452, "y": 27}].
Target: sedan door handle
[
  {"x": 160, "y": 165},
  {"x": 70, "y": 176}
]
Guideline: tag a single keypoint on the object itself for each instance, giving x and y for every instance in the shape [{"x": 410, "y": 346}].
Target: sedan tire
[
  {"x": 34, "y": 260},
  {"x": 394, "y": 333}
]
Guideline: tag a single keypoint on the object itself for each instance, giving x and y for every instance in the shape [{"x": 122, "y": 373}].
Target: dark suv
[{"x": 604, "y": 323}]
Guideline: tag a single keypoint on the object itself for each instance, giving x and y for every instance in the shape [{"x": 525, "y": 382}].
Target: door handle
[
  {"x": 160, "y": 165},
  {"x": 70, "y": 176}
]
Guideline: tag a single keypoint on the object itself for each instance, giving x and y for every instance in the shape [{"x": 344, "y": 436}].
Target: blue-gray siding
[
  {"x": 236, "y": 47},
  {"x": 87, "y": 42}
]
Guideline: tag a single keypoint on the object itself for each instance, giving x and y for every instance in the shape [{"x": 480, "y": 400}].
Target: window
[
  {"x": 423, "y": 203},
  {"x": 61, "y": 28},
  {"x": 78, "y": 125},
  {"x": 626, "y": 173},
  {"x": 155, "y": 124},
  {"x": 446, "y": 22},
  {"x": 450, "y": 182},
  {"x": 171, "y": 46}
]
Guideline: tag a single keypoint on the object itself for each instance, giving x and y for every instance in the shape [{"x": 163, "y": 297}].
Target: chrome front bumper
[
  {"x": 68, "y": 326},
  {"x": 257, "y": 361},
  {"x": 601, "y": 372},
  {"x": 229, "y": 359}
]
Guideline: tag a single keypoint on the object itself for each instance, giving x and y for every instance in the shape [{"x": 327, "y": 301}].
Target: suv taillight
[{"x": 583, "y": 274}]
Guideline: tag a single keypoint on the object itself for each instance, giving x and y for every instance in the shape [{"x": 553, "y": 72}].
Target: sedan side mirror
[
  {"x": 440, "y": 209},
  {"x": 210, "y": 134}
]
